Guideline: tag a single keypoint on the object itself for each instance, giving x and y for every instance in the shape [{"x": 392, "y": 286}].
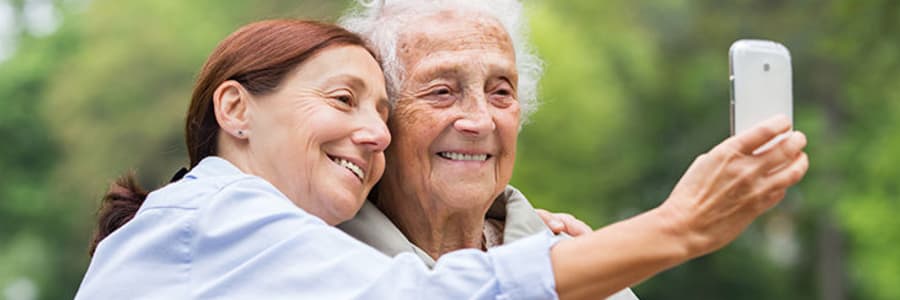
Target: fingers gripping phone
[{"x": 760, "y": 84}]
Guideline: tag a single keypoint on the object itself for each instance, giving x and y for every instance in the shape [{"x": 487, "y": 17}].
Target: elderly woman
[
  {"x": 462, "y": 81},
  {"x": 460, "y": 84},
  {"x": 459, "y": 87},
  {"x": 286, "y": 131}
]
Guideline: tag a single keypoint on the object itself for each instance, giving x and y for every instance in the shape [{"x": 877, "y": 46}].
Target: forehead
[
  {"x": 341, "y": 63},
  {"x": 449, "y": 31}
]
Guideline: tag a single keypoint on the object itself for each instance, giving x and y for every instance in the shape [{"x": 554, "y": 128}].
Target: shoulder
[
  {"x": 520, "y": 219},
  {"x": 251, "y": 205},
  {"x": 216, "y": 186},
  {"x": 372, "y": 227}
]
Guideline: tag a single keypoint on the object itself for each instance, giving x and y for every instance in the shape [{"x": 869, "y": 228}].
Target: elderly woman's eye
[
  {"x": 501, "y": 89},
  {"x": 505, "y": 94},
  {"x": 441, "y": 92},
  {"x": 502, "y": 97}
]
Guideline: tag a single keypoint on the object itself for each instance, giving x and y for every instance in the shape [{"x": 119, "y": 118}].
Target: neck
[{"x": 431, "y": 225}]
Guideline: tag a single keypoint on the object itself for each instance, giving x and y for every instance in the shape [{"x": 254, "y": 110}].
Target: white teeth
[
  {"x": 463, "y": 156},
  {"x": 350, "y": 166}
]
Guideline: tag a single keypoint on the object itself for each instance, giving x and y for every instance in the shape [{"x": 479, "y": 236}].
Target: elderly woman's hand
[
  {"x": 563, "y": 223},
  {"x": 721, "y": 193},
  {"x": 724, "y": 190}
]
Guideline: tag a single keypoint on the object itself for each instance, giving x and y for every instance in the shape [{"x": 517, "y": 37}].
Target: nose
[
  {"x": 373, "y": 134},
  {"x": 475, "y": 121}
]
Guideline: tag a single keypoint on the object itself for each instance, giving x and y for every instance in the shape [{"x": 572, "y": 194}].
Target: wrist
[{"x": 675, "y": 228}]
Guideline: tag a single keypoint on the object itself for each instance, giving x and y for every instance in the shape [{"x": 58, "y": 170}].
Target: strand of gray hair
[{"x": 380, "y": 23}]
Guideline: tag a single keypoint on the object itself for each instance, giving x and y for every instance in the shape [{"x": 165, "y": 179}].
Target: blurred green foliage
[{"x": 633, "y": 91}]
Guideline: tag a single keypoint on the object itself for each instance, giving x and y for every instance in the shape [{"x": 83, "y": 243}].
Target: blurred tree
[
  {"x": 860, "y": 105},
  {"x": 661, "y": 70},
  {"x": 633, "y": 91},
  {"x": 27, "y": 157}
]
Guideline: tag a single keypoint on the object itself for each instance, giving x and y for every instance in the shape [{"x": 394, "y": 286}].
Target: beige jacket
[{"x": 511, "y": 208}]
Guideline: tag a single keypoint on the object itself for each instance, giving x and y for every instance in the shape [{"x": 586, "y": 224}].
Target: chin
[
  {"x": 468, "y": 196},
  {"x": 344, "y": 206}
]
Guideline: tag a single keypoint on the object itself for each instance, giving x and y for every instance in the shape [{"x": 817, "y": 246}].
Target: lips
[
  {"x": 349, "y": 165},
  {"x": 464, "y": 156}
]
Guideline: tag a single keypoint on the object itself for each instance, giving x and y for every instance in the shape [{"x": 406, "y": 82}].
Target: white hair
[{"x": 380, "y": 23}]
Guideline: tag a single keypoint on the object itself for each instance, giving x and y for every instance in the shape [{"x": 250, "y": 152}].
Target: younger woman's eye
[{"x": 346, "y": 99}]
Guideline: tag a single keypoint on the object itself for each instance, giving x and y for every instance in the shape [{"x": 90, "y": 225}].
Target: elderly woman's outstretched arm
[{"x": 721, "y": 193}]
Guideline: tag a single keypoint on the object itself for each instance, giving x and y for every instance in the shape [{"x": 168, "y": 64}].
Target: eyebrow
[
  {"x": 438, "y": 71},
  {"x": 448, "y": 70},
  {"x": 355, "y": 82}
]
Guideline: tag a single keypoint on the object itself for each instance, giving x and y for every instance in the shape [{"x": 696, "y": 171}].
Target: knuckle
[
  {"x": 768, "y": 131},
  {"x": 732, "y": 155},
  {"x": 796, "y": 174},
  {"x": 732, "y": 173},
  {"x": 701, "y": 157},
  {"x": 796, "y": 145},
  {"x": 786, "y": 152},
  {"x": 726, "y": 158}
]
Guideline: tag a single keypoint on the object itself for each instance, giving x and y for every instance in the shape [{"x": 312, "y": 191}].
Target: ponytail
[{"x": 119, "y": 205}]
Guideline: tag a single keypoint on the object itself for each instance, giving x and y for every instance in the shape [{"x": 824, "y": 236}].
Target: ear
[{"x": 230, "y": 104}]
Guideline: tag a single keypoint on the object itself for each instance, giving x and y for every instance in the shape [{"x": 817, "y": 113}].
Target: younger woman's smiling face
[{"x": 319, "y": 137}]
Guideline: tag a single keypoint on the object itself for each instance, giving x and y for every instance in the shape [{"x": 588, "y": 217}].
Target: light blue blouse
[{"x": 220, "y": 233}]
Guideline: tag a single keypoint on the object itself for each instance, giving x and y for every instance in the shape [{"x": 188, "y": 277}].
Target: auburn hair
[{"x": 258, "y": 56}]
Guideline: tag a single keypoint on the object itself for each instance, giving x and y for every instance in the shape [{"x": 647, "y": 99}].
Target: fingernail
[{"x": 800, "y": 137}]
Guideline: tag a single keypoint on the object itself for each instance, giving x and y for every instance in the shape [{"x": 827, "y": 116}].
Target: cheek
[
  {"x": 507, "y": 121},
  {"x": 405, "y": 154},
  {"x": 405, "y": 116},
  {"x": 508, "y": 141},
  {"x": 413, "y": 128},
  {"x": 508, "y": 133},
  {"x": 513, "y": 113},
  {"x": 322, "y": 126},
  {"x": 378, "y": 169}
]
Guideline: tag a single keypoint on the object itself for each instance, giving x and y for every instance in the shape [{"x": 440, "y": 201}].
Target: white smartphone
[{"x": 760, "y": 84}]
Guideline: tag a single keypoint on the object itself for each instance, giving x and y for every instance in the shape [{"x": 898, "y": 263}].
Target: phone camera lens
[{"x": 766, "y": 67}]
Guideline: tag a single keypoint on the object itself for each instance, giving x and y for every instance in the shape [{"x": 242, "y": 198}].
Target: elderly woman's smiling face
[{"x": 456, "y": 117}]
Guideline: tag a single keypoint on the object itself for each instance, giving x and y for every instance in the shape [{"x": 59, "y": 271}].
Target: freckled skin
[{"x": 440, "y": 204}]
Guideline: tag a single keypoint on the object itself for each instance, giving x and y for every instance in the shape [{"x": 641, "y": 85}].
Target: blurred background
[{"x": 633, "y": 92}]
